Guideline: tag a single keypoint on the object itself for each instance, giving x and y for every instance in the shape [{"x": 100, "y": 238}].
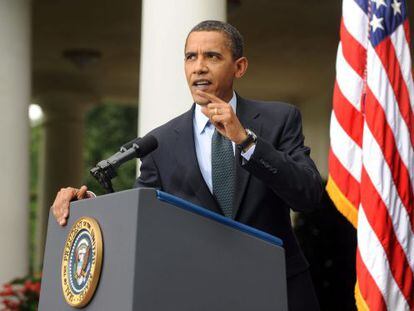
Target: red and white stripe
[{"x": 371, "y": 160}]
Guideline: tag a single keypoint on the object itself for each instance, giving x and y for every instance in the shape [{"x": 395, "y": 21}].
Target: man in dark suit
[{"x": 241, "y": 158}]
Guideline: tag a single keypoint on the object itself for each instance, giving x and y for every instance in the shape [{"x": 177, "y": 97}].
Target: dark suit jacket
[{"x": 278, "y": 177}]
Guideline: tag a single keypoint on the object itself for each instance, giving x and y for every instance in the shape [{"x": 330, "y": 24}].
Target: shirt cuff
[{"x": 247, "y": 155}]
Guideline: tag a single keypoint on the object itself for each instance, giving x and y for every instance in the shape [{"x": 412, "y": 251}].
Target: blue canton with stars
[{"x": 385, "y": 17}]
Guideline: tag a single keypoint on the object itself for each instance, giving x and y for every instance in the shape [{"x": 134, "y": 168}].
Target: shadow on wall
[{"x": 329, "y": 243}]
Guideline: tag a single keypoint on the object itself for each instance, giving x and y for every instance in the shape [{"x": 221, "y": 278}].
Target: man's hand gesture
[{"x": 223, "y": 117}]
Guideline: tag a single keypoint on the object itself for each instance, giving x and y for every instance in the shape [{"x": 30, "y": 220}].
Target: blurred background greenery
[{"x": 107, "y": 127}]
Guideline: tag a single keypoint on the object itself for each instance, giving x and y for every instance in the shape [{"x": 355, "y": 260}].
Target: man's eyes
[{"x": 212, "y": 56}]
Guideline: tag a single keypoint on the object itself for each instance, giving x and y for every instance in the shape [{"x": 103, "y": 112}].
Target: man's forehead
[{"x": 206, "y": 40}]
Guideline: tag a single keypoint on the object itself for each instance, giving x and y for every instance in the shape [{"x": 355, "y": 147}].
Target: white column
[
  {"x": 15, "y": 91},
  {"x": 163, "y": 91},
  {"x": 61, "y": 155}
]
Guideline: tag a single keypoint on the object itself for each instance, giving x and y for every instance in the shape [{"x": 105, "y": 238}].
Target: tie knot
[{"x": 217, "y": 136}]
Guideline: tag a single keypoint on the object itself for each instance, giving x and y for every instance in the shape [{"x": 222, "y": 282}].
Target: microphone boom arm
[{"x": 105, "y": 170}]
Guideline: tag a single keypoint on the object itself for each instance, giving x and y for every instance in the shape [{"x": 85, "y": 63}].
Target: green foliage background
[{"x": 107, "y": 127}]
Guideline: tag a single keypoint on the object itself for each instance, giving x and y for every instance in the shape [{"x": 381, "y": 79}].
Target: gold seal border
[{"x": 82, "y": 299}]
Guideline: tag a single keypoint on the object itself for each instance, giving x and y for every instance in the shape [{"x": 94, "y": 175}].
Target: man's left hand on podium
[{"x": 60, "y": 207}]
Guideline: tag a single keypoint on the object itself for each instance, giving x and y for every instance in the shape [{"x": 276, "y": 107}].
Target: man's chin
[{"x": 200, "y": 100}]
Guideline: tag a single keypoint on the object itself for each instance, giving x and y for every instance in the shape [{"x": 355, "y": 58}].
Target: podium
[{"x": 163, "y": 253}]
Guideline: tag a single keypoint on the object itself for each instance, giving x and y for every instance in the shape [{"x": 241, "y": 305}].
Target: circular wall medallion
[{"x": 81, "y": 262}]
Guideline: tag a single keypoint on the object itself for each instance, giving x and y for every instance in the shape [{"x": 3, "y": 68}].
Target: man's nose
[{"x": 200, "y": 66}]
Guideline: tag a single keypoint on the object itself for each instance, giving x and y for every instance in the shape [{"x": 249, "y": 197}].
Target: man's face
[{"x": 209, "y": 65}]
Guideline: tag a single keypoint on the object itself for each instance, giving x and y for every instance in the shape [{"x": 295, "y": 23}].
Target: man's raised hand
[{"x": 223, "y": 117}]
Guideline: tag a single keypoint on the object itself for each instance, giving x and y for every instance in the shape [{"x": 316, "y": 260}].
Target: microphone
[
  {"x": 130, "y": 143},
  {"x": 105, "y": 170},
  {"x": 136, "y": 148}
]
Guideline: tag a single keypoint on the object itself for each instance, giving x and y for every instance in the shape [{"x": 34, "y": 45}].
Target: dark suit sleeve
[
  {"x": 149, "y": 176},
  {"x": 287, "y": 168}
]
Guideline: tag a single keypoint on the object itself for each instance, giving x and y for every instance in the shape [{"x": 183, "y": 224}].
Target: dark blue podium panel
[{"x": 163, "y": 253}]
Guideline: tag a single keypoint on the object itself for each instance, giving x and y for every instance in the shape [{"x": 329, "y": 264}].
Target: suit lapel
[
  {"x": 185, "y": 153},
  {"x": 248, "y": 117}
]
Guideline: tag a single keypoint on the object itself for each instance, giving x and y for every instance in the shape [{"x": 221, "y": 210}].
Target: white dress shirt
[{"x": 203, "y": 133}]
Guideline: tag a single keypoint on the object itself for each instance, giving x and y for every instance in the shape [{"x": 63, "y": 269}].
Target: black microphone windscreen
[{"x": 146, "y": 145}]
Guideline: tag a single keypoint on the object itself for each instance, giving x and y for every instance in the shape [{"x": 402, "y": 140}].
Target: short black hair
[{"x": 235, "y": 39}]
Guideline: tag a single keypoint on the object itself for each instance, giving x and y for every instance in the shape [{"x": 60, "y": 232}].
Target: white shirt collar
[{"x": 201, "y": 120}]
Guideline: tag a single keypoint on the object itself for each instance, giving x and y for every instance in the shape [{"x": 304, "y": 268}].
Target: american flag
[{"x": 371, "y": 160}]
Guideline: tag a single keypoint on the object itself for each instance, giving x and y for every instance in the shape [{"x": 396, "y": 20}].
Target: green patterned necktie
[{"x": 223, "y": 172}]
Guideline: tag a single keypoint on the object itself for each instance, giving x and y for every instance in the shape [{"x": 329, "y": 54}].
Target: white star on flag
[
  {"x": 376, "y": 23},
  {"x": 379, "y": 3},
  {"x": 396, "y": 6}
]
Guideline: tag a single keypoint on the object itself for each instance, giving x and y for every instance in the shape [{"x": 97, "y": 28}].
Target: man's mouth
[{"x": 201, "y": 84}]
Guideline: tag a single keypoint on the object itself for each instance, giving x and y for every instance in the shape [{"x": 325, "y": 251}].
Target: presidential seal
[{"x": 81, "y": 262}]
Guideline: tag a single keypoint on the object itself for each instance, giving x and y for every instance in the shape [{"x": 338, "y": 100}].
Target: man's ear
[{"x": 241, "y": 66}]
